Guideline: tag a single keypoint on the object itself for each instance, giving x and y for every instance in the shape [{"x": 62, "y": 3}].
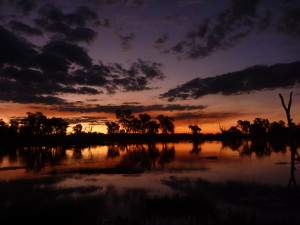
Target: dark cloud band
[
  {"x": 40, "y": 74},
  {"x": 252, "y": 79},
  {"x": 200, "y": 116},
  {"x": 133, "y": 108}
]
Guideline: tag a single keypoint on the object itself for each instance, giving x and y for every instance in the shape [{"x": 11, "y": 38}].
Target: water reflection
[
  {"x": 233, "y": 144},
  {"x": 259, "y": 147},
  {"x": 294, "y": 156},
  {"x": 142, "y": 156},
  {"x": 113, "y": 151},
  {"x": 77, "y": 152},
  {"x": 134, "y": 155},
  {"x": 32, "y": 158},
  {"x": 252, "y": 158},
  {"x": 196, "y": 147}
]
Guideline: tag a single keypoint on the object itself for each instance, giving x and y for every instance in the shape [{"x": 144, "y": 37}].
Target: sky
[{"x": 203, "y": 62}]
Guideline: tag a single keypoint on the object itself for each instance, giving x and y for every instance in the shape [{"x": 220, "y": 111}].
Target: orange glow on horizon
[{"x": 222, "y": 111}]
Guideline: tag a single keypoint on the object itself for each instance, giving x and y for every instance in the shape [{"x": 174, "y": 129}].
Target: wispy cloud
[
  {"x": 126, "y": 41},
  {"x": 159, "y": 43}
]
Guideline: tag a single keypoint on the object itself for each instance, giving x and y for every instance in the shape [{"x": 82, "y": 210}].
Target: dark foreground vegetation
[{"x": 191, "y": 202}]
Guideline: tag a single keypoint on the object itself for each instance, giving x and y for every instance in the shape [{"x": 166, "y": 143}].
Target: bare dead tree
[
  {"x": 293, "y": 146},
  {"x": 287, "y": 109}
]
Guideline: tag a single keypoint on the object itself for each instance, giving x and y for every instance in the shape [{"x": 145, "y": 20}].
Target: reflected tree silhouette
[
  {"x": 113, "y": 151},
  {"x": 146, "y": 156},
  {"x": 135, "y": 157},
  {"x": 279, "y": 145},
  {"x": 36, "y": 158},
  {"x": 9, "y": 152},
  {"x": 153, "y": 153},
  {"x": 196, "y": 147},
  {"x": 246, "y": 149},
  {"x": 132, "y": 156},
  {"x": 261, "y": 148},
  {"x": 233, "y": 144},
  {"x": 166, "y": 155},
  {"x": 292, "y": 180},
  {"x": 77, "y": 152}
]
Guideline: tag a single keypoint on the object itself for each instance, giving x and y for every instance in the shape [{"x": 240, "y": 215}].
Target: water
[
  {"x": 172, "y": 183},
  {"x": 259, "y": 162}
]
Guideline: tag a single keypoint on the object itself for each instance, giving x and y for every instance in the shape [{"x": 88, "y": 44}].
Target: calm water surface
[{"x": 259, "y": 162}]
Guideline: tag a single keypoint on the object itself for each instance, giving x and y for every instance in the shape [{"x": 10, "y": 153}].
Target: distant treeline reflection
[
  {"x": 144, "y": 156},
  {"x": 259, "y": 147}
]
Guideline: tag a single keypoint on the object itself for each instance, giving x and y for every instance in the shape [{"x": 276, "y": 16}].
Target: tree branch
[{"x": 282, "y": 102}]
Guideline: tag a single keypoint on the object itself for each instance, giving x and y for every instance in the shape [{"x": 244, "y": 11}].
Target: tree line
[
  {"x": 143, "y": 124},
  {"x": 37, "y": 124},
  {"x": 259, "y": 128},
  {"x": 34, "y": 124}
]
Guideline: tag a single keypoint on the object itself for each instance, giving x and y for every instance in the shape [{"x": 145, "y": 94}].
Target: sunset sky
[{"x": 204, "y": 62}]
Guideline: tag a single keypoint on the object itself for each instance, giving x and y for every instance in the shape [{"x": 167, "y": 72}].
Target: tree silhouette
[
  {"x": 35, "y": 124},
  {"x": 153, "y": 127},
  {"x": 112, "y": 127},
  {"x": 195, "y": 129},
  {"x": 287, "y": 110},
  {"x": 135, "y": 125},
  {"x": 166, "y": 124},
  {"x": 259, "y": 127},
  {"x": 244, "y": 125},
  {"x": 14, "y": 127},
  {"x": 125, "y": 118},
  {"x": 4, "y": 128},
  {"x": 145, "y": 122},
  {"x": 277, "y": 128},
  {"x": 77, "y": 129},
  {"x": 234, "y": 130},
  {"x": 58, "y": 125}
]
